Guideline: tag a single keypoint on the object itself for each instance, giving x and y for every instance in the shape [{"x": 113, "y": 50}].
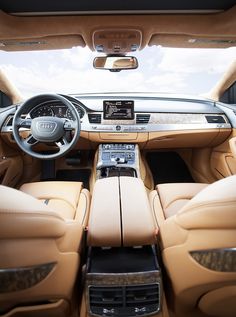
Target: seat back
[
  {"x": 37, "y": 272},
  {"x": 199, "y": 252}
]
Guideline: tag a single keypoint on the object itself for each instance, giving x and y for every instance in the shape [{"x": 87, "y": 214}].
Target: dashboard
[
  {"x": 109, "y": 113},
  {"x": 154, "y": 119}
]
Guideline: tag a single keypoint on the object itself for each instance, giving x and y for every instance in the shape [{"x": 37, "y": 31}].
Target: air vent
[
  {"x": 215, "y": 119},
  {"x": 94, "y": 118},
  {"x": 8, "y": 122},
  {"x": 124, "y": 300},
  {"x": 142, "y": 118}
]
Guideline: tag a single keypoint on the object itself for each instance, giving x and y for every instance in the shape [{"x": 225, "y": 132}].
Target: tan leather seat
[
  {"x": 198, "y": 245},
  {"x": 168, "y": 199},
  {"x": 41, "y": 229},
  {"x": 63, "y": 197}
]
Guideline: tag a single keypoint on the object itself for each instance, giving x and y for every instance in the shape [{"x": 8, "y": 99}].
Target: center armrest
[
  {"x": 138, "y": 225},
  {"x": 104, "y": 220},
  {"x": 120, "y": 214}
]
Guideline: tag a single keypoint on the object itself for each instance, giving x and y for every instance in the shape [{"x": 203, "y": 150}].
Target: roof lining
[
  {"x": 112, "y": 6},
  {"x": 220, "y": 26},
  {"x": 117, "y": 12}
]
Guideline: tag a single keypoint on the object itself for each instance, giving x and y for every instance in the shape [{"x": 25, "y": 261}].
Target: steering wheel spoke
[
  {"x": 29, "y": 142},
  {"x": 23, "y": 123},
  {"x": 69, "y": 125},
  {"x": 62, "y": 143}
]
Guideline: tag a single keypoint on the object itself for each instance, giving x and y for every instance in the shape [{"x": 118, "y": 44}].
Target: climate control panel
[
  {"x": 119, "y": 156},
  {"x": 118, "y": 153}
]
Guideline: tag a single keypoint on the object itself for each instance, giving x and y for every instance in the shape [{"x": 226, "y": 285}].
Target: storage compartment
[
  {"x": 118, "y": 171},
  {"x": 122, "y": 260}
]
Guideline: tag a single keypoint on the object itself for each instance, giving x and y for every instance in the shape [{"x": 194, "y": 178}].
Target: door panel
[
  {"x": 223, "y": 162},
  {"x": 11, "y": 165}
]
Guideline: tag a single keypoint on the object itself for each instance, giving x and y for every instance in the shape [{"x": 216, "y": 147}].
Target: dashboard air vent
[
  {"x": 142, "y": 118},
  {"x": 124, "y": 300},
  {"x": 215, "y": 119},
  {"x": 8, "y": 121},
  {"x": 94, "y": 117}
]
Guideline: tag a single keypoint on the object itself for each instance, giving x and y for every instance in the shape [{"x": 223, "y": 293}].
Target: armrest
[
  {"x": 104, "y": 220},
  {"x": 120, "y": 214},
  {"x": 138, "y": 224}
]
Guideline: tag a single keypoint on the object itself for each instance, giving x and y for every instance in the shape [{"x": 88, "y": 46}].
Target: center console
[
  {"x": 123, "y": 282},
  {"x": 117, "y": 159},
  {"x": 123, "y": 276}
]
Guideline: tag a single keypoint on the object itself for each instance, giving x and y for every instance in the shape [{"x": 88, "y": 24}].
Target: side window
[
  {"x": 5, "y": 101},
  {"x": 229, "y": 95}
]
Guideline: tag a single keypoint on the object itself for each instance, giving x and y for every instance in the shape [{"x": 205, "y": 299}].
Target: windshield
[{"x": 175, "y": 70}]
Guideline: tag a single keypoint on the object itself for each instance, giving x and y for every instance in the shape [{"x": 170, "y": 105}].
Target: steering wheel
[{"x": 46, "y": 129}]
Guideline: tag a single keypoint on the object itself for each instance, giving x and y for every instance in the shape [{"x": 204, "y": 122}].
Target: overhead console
[{"x": 119, "y": 41}]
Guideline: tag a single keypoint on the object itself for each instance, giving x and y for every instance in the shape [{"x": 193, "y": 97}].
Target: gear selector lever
[{"x": 106, "y": 165}]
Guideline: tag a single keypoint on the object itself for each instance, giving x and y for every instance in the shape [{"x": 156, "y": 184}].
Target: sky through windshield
[{"x": 188, "y": 71}]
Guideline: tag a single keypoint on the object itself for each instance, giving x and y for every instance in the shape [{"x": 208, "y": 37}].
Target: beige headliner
[{"x": 169, "y": 30}]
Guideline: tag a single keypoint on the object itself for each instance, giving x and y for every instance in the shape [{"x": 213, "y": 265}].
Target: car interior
[{"x": 118, "y": 204}]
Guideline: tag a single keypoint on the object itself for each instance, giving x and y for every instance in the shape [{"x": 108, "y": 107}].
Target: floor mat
[
  {"x": 78, "y": 175},
  {"x": 168, "y": 167}
]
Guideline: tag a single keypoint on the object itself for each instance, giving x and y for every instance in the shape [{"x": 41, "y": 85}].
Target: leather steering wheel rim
[{"x": 45, "y": 129}]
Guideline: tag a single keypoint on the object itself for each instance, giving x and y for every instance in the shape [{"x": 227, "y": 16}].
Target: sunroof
[{"x": 108, "y": 6}]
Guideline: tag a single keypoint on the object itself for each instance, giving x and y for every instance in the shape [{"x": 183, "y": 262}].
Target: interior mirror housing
[{"x": 115, "y": 63}]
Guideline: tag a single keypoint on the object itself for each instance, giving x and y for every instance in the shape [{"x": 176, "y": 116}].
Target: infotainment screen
[{"x": 118, "y": 110}]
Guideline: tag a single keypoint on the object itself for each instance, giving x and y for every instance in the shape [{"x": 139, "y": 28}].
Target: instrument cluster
[{"x": 55, "y": 109}]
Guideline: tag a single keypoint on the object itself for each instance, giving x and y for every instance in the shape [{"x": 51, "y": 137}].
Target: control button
[
  {"x": 118, "y": 128},
  {"x": 129, "y": 147}
]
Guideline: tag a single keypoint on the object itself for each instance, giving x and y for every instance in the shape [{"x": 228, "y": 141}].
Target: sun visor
[
  {"x": 42, "y": 43},
  {"x": 187, "y": 41}
]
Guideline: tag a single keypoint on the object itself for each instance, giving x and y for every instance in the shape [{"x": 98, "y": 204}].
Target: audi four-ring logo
[{"x": 46, "y": 126}]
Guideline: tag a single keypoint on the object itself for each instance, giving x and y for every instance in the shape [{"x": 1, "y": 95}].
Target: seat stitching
[
  {"x": 176, "y": 199},
  {"x": 61, "y": 199},
  {"x": 35, "y": 213}
]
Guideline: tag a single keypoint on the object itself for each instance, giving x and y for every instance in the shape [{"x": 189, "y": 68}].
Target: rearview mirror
[{"x": 115, "y": 63}]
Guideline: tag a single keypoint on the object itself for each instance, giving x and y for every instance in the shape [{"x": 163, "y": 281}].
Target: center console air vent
[
  {"x": 137, "y": 300},
  {"x": 105, "y": 297},
  {"x": 142, "y": 118},
  {"x": 95, "y": 117},
  {"x": 215, "y": 119}
]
